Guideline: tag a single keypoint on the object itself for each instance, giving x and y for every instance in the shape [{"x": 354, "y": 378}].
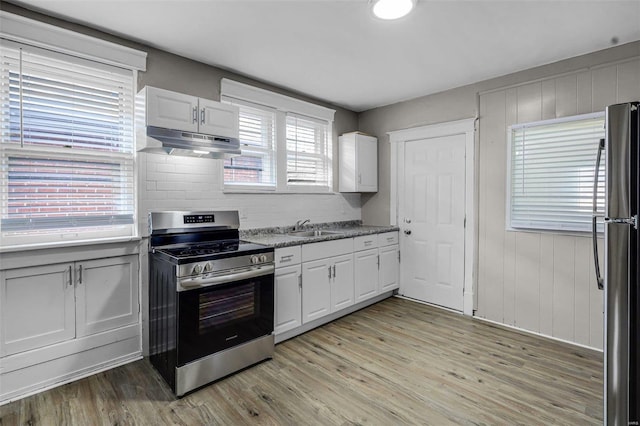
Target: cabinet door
[
  {"x": 342, "y": 282},
  {"x": 172, "y": 110},
  {"x": 106, "y": 293},
  {"x": 288, "y": 309},
  {"x": 366, "y": 274},
  {"x": 389, "y": 268},
  {"x": 316, "y": 290},
  {"x": 37, "y": 307},
  {"x": 218, "y": 119},
  {"x": 367, "y": 163}
]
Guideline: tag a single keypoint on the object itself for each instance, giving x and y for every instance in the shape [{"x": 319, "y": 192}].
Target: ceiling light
[{"x": 392, "y": 9}]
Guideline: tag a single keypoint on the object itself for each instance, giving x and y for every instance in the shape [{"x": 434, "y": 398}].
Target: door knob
[{"x": 407, "y": 231}]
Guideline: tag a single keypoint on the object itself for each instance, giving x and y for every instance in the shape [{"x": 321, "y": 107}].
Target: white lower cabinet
[
  {"x": 106, "y": 294},
  {"x": 288, "y": 302},
  {"x": 389, "y": 273},
  {"x": 316, "y": 289},
  {"x": 316, "y": 282},
  {"x": 56, "y": 320},
  {"x": 327, "y": 286},
  {"x": 341, "y": 282},
  {"x": 37, "y": 307},
  {"x": 366, "y": 274}
]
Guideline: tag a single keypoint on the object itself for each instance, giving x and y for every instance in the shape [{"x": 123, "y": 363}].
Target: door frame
[{"x": 466, "y": 127}]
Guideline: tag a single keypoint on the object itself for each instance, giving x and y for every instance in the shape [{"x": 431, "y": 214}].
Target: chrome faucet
[{"x": 299, "y": 224}]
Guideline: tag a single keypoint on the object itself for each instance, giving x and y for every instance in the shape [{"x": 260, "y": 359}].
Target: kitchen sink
[{"x": 313, "y": 233}]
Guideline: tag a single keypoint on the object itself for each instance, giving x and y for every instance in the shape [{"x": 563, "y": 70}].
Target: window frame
[
  {"x": 127, "y": 161},
  {"x": 240, "y": 187},
  {"x": 235, "y": 92},
  {"x": 509, "y": 174}
]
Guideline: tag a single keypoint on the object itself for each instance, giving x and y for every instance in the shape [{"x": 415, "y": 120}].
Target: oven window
[{"x": 226, "y": 306}]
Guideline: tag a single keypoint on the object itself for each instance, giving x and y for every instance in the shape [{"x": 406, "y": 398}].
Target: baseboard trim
[
  {"x": 61, "y": 378},
  {"x": 533, "y": 333},
  {"x": 279, "y": 338}
]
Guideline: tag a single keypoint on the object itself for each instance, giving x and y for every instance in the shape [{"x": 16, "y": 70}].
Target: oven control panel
[{"x": 199, "y": 218}]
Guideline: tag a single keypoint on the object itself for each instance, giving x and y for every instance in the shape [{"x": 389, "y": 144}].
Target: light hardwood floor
[{"x": 396, "y": 362}]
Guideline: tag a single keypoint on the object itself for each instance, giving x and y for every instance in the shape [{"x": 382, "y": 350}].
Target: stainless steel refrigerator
[{"x": 620, "y": 280}]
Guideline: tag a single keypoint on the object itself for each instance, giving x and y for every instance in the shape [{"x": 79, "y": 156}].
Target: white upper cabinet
[
  {"x": 171, "y": 110},
  {"x": 217, "y": 118},
  {"x": 177, "y": 111},
  {"x": 358, "y": 163}
]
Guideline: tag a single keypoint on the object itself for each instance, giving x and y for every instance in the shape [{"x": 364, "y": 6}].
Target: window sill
[
  {"x": 77, "y": 243},
  {"x": 269, "y": 192},
  {"x": 583, "y": 234}
]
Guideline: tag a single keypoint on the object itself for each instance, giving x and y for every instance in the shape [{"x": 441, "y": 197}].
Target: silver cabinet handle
[
  {"x": 195, "y": 114},
  {"x": 80, "y": 275},
  {"x": 300, "y": 281},
  {"x": 594, "y": 218},
  {"x": 202, "y": 116},
  {"x": 334, "y": 271},
  {"x": 70, "y": 275},
  {"x": 329, "y": 272}
]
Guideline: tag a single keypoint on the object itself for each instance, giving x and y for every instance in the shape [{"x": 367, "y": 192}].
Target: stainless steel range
[{"x": 210, "y": 298}]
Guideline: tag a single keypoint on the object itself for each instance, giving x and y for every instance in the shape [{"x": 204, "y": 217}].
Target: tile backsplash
[{"x": 185, "y": 183}]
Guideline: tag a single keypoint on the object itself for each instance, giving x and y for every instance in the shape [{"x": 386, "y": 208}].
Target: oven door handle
[{"x": 206, "y": 281}]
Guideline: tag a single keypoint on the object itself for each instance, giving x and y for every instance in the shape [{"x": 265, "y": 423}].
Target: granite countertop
[{"x": 277, "y": 237}]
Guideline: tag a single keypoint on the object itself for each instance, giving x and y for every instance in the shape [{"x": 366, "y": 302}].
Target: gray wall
[
  {"x": 455, "y": 104},
  {"x": 538, "y": 281}
]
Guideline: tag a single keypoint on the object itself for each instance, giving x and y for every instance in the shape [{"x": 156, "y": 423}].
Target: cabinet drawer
[
  {"x": 288, "y": 256},
  {"x": 388, "y": 238},
  {"x": 326, "y": 249},
  {"x": 365, "y": 242}
]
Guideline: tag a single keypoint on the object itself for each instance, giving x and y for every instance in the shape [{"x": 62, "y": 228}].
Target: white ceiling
[{"x": 338, "y": 52}]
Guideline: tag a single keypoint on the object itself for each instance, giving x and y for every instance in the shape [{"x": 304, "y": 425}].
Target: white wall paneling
[{"x": 541, "y": 282}]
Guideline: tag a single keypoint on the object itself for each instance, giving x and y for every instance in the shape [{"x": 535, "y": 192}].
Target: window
[
  {"x": 308, "y": 153},
  {"x": 551, "y": 173},
  {"x": 256, "y": 166},
  {"x": 66, "y": 153},
  {"x": 285, "y": 142}
]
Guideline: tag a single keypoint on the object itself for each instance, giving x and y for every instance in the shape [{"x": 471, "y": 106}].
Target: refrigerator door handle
[
  {"x": 594, "y": 226},
  {"x": 594, "y": 218}
]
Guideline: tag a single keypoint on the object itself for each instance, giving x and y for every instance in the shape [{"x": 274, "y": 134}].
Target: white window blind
[
  {"x": 552, "y": 166},
  {"x": 297, "y": 134},
  {"x": 256, "y": 167},
  {"x": 308, "y": 152},
  {"x": 67, "y": 154}
]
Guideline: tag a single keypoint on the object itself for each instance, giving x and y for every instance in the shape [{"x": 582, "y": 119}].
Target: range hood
[
  {"x": 187, "y": 144},
  {"x": 183, "y": 125}
]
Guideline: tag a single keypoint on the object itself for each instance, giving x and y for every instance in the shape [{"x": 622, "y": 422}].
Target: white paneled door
[{"x": 432, "y": 220}]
